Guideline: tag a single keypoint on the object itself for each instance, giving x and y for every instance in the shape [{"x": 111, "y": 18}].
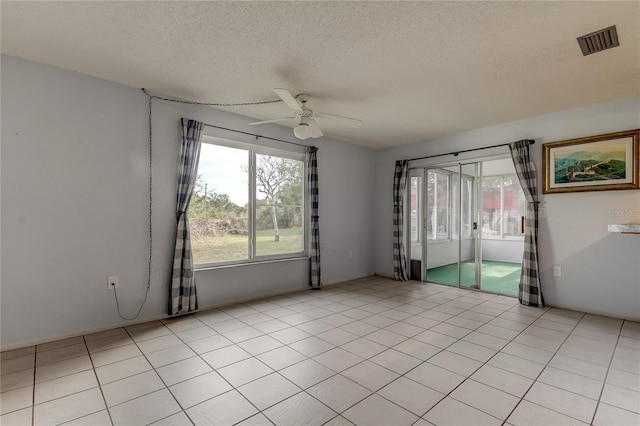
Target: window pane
[
  {"x": 431, "y": 200},
  {"x": 442, "y": 205},
  {"x": 415, "y": 200},
  {"x": 455, "y": 215},
  {"x": 437, "y": 205},
  {"x": 491, "y": 206},
  {"x": 218, "y": 213},
  {"x": 467, "y": 206},
  {"x": 279, "y": 205},
  {"x": 514, "y": 206}
]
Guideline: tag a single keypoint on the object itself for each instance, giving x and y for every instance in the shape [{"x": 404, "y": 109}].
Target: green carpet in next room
[{"x": 496, "y": 277}]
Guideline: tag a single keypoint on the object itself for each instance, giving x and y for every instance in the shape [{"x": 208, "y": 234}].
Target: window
[
  {"x": 438, "y": 189},
  {"x": 248, "y": 204},
  {"x": 416, "y": 200},
  {"x": 503, "y": 207},
  {"x": 466, "y": 207},
  {"x": 443, "y": 216}
]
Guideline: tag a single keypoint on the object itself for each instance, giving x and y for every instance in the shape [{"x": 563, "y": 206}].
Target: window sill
[
  {"x": 244, "y": 264},
  {"x": 448, "y": 240},
  {"x": 497, "y": 238}
]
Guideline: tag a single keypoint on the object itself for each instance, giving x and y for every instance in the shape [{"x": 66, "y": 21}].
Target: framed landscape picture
[{"x": 594, "y": 163}]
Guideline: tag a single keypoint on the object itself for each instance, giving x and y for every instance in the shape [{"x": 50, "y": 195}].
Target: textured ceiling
[{"x": 412, "y": 71}]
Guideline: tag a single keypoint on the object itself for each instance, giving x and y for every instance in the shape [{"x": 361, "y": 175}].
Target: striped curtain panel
[
  {"x": 312, "y": 185},
  {"x": 399, "y": 189},
  {"x": 182, "y": 291},
  {"x": 530, "y": 292}
]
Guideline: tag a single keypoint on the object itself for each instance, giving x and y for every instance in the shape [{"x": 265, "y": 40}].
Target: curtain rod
[
  {"x": 151, "y": 97},
  {"x": 456, "y": 153},
  {"x": 256, "y": 136}
]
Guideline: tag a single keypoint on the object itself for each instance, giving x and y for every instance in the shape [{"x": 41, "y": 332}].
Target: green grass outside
[{"x": 236, "y": 247}]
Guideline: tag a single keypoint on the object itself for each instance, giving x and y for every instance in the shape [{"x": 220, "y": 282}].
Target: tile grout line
[
  {"x": 540, "y": 373},
  {"x": 426, "y": 361},
  {"x": 556, "y": 352},
  {"x": 60, "y": 377},
  {"x": 468, "y": 377},
  {"x": 534, "y": 380},
  {"x": 261, "y": 411},
  {"x": 33, "y": 390},
  {"x": 95, "y": 373},
  {"x": 233, "y": 388},
  {"x": 604, "y": 383},
  {"x": 357, "y": 294},
  {"x": 337, "y": 373},
  {"x": 153, "y": 368}
]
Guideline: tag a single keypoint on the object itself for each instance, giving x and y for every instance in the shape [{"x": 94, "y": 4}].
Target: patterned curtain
[
  {"x": 530, "y": 292},
  {"x": 312, "y": 184},
  {"x": 182, "y": 291},
  {"x": 399, "y": 189}
]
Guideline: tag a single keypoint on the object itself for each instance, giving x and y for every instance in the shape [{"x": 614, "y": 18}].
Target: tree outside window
[{"x": 230, "y": 226}]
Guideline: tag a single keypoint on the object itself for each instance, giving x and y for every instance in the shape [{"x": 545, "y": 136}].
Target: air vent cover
[{"x": 599, "y": 41}]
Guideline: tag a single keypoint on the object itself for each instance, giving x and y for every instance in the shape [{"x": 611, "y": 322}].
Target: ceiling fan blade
[
  {"x": 315, "y": 129},
  {"x": 345, "y": 121},
  {"x": 288, "y": 99},
  {"x": 255, "y": 123}
]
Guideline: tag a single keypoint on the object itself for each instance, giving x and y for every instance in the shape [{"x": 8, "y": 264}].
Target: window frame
[
  {"x": 439, "y": 236},
  {"x": 501, "y": 236},
  {"x": 252, "y": 152},
  {"x": 453, "y": 211},
  {"x": 419, "y": 218},
  {"x": 458, "y": 214}
]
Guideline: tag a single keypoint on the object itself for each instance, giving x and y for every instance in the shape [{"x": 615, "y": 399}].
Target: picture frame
[{"x": 594, "y": 163}]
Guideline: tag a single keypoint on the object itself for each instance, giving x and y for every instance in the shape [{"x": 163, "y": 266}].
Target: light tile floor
[{"x": 367, "y": 352}]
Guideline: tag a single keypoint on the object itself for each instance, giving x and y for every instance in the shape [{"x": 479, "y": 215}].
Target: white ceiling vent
[{"x": 599, "y": 41}]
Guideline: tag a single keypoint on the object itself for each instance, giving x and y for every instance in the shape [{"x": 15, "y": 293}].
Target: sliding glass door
[
  {"x": 441, "y": 263},
  {"x": 503, "y": 206},
  {"x": 466, "y": 225},
  {"x": 450, "y": 247},
  {"x": 469, "y": 243}
]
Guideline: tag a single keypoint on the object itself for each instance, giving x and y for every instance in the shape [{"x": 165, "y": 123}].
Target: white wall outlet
[
  {"x": 158, "y": 275},
  {"x": 350, "y": 254},
  {"x": 557, "y": 271},
  {"x": 112, "y": 282}
]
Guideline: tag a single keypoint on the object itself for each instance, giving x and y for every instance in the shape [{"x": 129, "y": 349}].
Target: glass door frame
[
  {"x": 418, "y": 168},
  {"x": 455, "y": 214},
  {"x": 474, "y": 222},
  {"x": 420, "y": 224}
]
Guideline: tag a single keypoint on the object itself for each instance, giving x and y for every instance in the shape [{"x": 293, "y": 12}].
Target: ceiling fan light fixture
[
  {"x": 302, "y": 131},
  {"x": 307, "y": 126}
]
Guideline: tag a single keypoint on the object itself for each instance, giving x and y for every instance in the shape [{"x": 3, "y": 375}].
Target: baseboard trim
[
  {"x": 245, "y": 300},
  {"x": 592, "y": 312},
  {"x": 49, "y": 339}
]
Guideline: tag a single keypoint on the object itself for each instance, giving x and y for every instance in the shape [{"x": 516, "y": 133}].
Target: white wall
[
  {"x": 446, "y": 252},
  {"x": 600, "y": 271},
  {"x": 74, "y": 206},
  {"x": 502, "y": 250}
]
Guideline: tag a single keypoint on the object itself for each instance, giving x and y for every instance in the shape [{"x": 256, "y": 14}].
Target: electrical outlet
[
  {"x": 350, "y": 254},
  {"x": 112, "y": 282},
  {"x": 557, "y": 271}
]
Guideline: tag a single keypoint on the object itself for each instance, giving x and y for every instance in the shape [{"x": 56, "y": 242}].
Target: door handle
[{"x": 475, "y": 225}]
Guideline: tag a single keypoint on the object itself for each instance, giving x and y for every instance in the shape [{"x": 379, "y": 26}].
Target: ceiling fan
[{"x": 307, "y": 126}]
